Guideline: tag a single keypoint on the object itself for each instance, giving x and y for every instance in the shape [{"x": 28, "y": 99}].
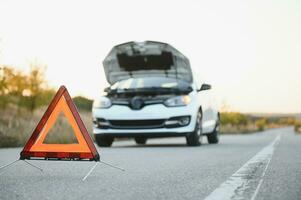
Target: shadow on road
[
  {"x": 159, "y": 145},
  {"x": 150, "y": 145}
]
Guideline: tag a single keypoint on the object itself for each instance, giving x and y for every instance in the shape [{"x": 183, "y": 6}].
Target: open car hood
[{"x": 146, "y": 59}]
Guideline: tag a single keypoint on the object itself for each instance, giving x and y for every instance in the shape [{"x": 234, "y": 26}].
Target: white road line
[{"x": 237, "y": 185}]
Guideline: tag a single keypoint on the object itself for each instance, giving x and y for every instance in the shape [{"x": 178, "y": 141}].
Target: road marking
[{"x": 238, "y": 185}]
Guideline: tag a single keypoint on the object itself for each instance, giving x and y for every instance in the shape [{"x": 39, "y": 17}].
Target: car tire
[
  {"x": 213, "y": 138},
  {"x": 193, "y": 139},
  {"x": 140, "y": 140},
  {"x": 104, "y": 141}
]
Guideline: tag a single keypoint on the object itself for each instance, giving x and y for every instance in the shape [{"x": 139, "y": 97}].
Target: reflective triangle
[{"x": 35, "y": 146}]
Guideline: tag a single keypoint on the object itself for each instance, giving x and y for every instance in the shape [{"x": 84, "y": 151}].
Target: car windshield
[{"x": 150, "y": 83}]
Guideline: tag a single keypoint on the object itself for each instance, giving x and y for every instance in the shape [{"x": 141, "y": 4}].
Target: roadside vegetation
[
  {"x": 24, "y": 98},
  {"x": 234, "y": 122},
  {"x": 16, "y": 126},
  {"x": 298, "y": 126}
]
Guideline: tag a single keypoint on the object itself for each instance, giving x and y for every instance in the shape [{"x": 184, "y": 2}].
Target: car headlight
[
  {"x": 178, "y": 101},
  {"x": 102, "y": 102}
]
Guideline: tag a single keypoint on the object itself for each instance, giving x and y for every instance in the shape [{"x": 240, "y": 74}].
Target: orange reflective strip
[{"x": 40, "y": 146}]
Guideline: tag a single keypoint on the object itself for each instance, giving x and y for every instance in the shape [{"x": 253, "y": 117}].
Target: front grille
[{"x": 137, "y": 124}]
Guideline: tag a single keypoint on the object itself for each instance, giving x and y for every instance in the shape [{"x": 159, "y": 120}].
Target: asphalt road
[{"x": 263, "y": 165}]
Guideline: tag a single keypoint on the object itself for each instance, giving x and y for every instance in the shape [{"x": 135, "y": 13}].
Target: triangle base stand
[
  {"x": 105, "y": 163},
  {"x": 5, "y": 167}
]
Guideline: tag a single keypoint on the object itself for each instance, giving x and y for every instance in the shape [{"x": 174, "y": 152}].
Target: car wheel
[
  {"x": 193, "y": 139},
  {"x": 140, "y": 140},
  {"x": 104, "y": 141},
  {"x": 213, "y": 138}
]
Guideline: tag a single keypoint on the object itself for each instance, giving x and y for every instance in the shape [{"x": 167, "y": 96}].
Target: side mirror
[
  {"x": 204, "y": 87},
  {"x": 107, "y": 89}
]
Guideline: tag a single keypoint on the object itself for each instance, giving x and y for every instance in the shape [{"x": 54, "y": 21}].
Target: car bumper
[{"x": 152, "y": 112}]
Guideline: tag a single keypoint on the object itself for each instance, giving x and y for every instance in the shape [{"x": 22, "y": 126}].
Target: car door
[{"x": 208, "y": 119}]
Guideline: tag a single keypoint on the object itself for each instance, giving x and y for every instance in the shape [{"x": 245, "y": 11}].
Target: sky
[{"x": 249, "y": 51}]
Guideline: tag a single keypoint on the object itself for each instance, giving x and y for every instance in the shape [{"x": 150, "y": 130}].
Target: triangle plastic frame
[{"x": 83, "y": 150}]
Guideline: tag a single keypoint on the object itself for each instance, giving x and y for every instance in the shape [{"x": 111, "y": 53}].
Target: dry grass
[
  {"x": 16, "y": 126},
  {"x": 238, "y": 129}
]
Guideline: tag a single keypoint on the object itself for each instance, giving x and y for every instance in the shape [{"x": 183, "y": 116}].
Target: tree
[
  {"x": 28, "y": 90},
  {"x": 35, "y": 84},
  {"x": 6, "y": 76},
  {"x": 261, "y": 123}
]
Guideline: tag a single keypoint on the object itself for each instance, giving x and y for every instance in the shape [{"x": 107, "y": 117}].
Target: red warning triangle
[{"x": 35, "y": 146}]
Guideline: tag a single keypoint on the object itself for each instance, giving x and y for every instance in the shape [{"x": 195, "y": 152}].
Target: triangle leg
[
  {"x": 94, "y": 166},
  {"x": 91, "y": 170},
  {"x": 33, "y": 165},
  {"x": 7, "y": 165},
  {"x": 113, "y": 166}
]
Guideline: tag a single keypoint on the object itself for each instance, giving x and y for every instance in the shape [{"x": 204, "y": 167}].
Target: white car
[{"x": 152, "y": 94}]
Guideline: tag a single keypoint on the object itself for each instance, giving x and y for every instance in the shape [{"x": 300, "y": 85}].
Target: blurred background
[{"x": 248, "y": 50}]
